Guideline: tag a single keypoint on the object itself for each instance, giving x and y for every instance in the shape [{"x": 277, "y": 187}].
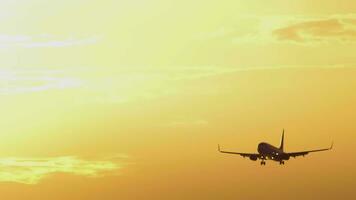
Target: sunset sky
[{"x": 128, "y": 99}]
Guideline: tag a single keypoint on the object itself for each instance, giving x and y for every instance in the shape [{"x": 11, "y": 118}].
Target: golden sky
[{"x": 128, "y": 99}]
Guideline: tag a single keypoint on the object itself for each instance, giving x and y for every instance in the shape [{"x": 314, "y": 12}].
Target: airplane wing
[
  {"x": 252, "y": 156},
  {"x": 303, "y": 153}
]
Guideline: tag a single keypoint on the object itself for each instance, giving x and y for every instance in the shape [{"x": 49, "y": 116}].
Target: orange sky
[{"x": 129, "y": 99}]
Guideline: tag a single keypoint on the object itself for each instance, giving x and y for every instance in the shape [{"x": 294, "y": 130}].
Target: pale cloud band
[
  {"x": 338, "y": 29},
  {"x": 24, "y": 81},
  {"x": 33, "y": 170},
  {"x": 120, "y": 86},
  {"x": 44, "y": 41},
  {"x": 298, "y": 29}
]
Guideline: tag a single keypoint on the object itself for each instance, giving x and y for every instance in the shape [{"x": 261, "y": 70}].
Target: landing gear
[
  {"x": 263, "y": 162},
  {"x": 281, "y": 162}
]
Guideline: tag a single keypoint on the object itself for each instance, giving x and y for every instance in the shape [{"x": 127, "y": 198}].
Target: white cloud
[
  {"x": 62, "y": 43},
  {"x": 24, "y": 81},
  {"x": 33, "y": 170},
  {"x": 44, "y": 41},
  {"x": 153, "y": 83},
  {"x": 342, "y": 29},
  {"x": 299, "y": 29}
]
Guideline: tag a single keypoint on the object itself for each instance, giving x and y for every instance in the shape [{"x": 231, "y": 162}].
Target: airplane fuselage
[{"x": 270, "y": 152}]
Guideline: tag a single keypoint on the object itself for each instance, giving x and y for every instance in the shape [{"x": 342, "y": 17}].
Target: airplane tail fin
[{"x": 282, "y": 141}]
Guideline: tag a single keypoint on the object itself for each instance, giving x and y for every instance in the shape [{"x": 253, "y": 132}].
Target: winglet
[
  {"x": 219, "y": 147},
  {"x": 332, "y": 144},
  {"x": 281, "y": 147}
]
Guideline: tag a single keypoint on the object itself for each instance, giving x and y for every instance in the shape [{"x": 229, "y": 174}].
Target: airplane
[{"x": 270, "y": 152}]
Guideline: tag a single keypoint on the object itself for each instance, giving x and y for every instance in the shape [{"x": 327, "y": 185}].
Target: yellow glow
[
  {"x": 31, "y": 171},
  {"x": 164, "y": 82}
]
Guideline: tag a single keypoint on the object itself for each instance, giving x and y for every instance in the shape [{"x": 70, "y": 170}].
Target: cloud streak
[
  {"x": 33, "y": 170},
  {"x": 150, "y": 84},
  {"x": 44, "y": 41},
  {"x": 299, "y": 29},
  {"x": 323, "y": 30},
  {"x": 25, "y": 81}
]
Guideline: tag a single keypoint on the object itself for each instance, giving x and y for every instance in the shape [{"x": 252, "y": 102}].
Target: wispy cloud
[
  {"x": 62, "y": 43},
  {"x": 300, "y": 29},
  {"x": 246, "y": 29},
  {"x": 33, "y": 170},
  {"x": 322, "y": 30},
  {"x": 44, "y": 41},
  {"x": 124, "y": 86},
  {"x": 24, "y": 81},
  {"x": 153, "y": 83}
]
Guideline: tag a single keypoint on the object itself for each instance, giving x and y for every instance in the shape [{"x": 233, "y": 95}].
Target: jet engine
[
  {"x": 253, "y": 157},
  {"x": 286, "y": 157}
]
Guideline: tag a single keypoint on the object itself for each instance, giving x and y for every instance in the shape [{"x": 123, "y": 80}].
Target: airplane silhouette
[{"x": 270, "y": 152}]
